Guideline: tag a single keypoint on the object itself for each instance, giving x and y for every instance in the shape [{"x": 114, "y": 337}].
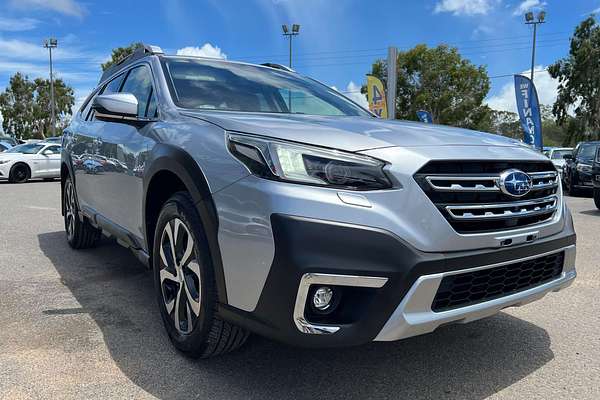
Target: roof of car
[{"x": 149, "y": 50}]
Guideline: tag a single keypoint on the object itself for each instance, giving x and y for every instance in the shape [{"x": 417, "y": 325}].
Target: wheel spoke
[
  {"x": 189, "y": 249},
  {"x": 178, "y": 301},
  {"x": 194, "y": 303},
  {"x": 168, "y": 231}
]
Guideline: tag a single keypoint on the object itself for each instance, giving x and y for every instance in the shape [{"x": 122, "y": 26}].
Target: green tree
[
  {"x": 64, "y": 100},
  {"x": 25, "y": 106},
  {"x": 120, "y": 53},
  {"x": 440, "y": 81},
  {"x": 578, "y": 75},
  {"x": 506, "y": 123},
  {"x": 16, "y": 106}
]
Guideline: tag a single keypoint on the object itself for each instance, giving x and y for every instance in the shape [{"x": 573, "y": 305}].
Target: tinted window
[
  {"x": 139, "y": 83},
  {"x": 587, "y": 151},
  {"x": 114, "y": 85},
  {"x": 559, "y": 154},
  {"x": 53, "y": 149},
  {"x": 215, "y": 85},
  {"x": 29, "y": 148}
]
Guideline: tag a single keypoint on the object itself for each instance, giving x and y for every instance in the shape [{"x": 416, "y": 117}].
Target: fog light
[{"x": 322, "y": 298}]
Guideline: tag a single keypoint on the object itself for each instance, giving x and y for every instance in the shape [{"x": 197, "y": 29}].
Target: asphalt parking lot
[{"x": 84, "y": 325}]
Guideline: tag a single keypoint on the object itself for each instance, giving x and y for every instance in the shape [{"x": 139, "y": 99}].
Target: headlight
[
  {"x": 284, "y": 161},
  {"x": 584, "y": 168},
  {"x": 4, "y": 161}
]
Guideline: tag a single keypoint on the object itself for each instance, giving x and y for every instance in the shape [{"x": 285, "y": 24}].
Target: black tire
[
  {"x": 571, "y": 189},
  {"x": 19, "y": 173},
  {"x": 185, "y": 283},
  {"x": 597, "y": 197},
  {"x": 80, "y": 233}
]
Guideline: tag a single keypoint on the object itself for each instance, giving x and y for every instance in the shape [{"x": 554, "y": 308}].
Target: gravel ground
[{"x": 84, "y": 325}]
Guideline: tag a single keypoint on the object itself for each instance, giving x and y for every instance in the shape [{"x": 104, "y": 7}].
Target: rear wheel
[
  {"x": 185, "y": 283},
  {"x": 19, "y": 173},
  {"x": 597, "y": 197},
  {"x": 80, "y": 233}
]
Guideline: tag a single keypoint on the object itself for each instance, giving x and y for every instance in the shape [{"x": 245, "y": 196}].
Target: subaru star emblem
[{"x": 515, "y": 183}]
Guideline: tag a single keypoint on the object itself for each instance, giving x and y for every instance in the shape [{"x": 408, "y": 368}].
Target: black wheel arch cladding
[{"x": 165, "y": 157}]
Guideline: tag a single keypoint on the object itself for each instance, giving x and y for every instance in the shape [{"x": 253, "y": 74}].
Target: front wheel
[
  {"x": 19, "y": 174},
  {"x": 185, "y": 283},
  {"x": 597, "y": 197},
  {"x": 571, "y": 189}
]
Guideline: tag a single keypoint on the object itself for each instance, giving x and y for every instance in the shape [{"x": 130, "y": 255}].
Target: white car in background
[
  {"x": 30, "y": 161},
  {"x": 556, "y": 155}
]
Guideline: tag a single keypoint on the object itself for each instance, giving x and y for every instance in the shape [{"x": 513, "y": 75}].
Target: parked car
[
  {"x": 9, "y": 140},
  {"x": 30, "y": 161},
  {"x": 53, "y": 139},
  {"x": 596, "y": 178},
  {"x": 267, "y": 202},
  {"x": 4, "y": 146},
  {"x": 557, "y": 155},
  {"x": 577, "y": 171}
]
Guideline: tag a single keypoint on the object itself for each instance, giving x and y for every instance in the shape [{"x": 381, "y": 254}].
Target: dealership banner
[
  {"x": 425, "y": 116},
  {"x": 376, "y": 96},
  {"x": 529, "y": 111}
]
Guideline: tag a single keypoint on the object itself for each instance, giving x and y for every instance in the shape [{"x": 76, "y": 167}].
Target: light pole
[
  {"x": 290, "y": 34},
  {"x": 530, "y": 19},
  {"x": 50, "y": 44}
]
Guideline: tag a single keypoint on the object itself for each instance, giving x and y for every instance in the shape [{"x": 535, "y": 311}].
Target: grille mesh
[{"x": 487, "y": 284}]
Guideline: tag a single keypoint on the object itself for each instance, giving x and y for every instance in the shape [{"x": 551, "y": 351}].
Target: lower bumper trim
[{"x": 414, "y": 315}]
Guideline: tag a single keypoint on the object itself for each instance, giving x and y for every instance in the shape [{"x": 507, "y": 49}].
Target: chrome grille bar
[
  {"x": 516, "y": 209},
  {"x": 487, "y": 183}
]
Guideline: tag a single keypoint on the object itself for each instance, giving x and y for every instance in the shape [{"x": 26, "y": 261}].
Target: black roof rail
[
  {"x": 278, "y": 66},
  {"x": 140, "y": 52}
]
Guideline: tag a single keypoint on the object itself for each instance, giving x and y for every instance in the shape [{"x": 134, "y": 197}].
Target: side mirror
[
  {"x": 116, "y": 106},
  {"x": 47, "y": 152},
  {"x": 568, "y": 157}
]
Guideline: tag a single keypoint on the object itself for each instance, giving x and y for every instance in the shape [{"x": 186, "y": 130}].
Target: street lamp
[
  {"x": 294, "y": 32},
  {"x": 50, "y": 44},
  {"x": 531, "y": 19}
]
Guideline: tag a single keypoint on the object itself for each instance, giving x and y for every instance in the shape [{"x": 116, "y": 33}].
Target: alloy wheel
[
  {"x": 179, "y": 275},
  {"x": 70, "y": 210}
]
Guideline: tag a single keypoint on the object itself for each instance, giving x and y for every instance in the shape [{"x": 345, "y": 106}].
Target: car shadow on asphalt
[
  {"x": 471, "y": 361},
  {"x": 595, "y": 213}
]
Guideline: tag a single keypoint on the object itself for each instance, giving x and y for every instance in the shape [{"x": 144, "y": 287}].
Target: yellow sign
[{"x": 376, "y": 97}]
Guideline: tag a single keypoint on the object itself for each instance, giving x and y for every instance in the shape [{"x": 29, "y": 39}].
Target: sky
[{"x": 338, "y": 40}]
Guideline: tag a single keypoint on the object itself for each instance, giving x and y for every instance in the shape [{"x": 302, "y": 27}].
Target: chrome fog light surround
[{"x": 309, "y": 279}]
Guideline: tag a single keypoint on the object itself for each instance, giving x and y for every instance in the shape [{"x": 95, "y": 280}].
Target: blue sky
[{"x": 337, "y": 43}]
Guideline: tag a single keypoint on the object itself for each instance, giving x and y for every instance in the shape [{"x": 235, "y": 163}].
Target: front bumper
[{"x": 403, "y": 282}]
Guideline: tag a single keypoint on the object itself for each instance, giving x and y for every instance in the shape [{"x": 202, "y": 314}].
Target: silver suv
[{"x": 267, "y": 202}]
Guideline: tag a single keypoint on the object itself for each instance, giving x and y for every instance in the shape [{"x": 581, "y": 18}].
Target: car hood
[{"x": 349, "y": 133}]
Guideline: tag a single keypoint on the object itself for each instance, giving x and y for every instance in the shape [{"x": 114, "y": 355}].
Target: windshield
[
  {"x": 30, "y": 148},
  {"x": 587, "y": 151},
  {"x": 213, "y": 85},
  {"x": 559, "y": 154}
]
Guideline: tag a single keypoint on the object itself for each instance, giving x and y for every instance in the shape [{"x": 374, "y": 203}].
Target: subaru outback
[{"x": 266, "y": 202}]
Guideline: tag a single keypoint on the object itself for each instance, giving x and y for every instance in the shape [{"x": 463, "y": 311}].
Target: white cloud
[
  {"x": 18, "y": 24},
  {"x": 465, "y": 7},
  {"x": 207, "y": 50},
  {"x": 546, "y": 86},
  {"x": 66, "y": 7},
  {"x": 527, "y": 5}
]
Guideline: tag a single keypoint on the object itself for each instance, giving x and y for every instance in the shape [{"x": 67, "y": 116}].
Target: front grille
[
  {"x": 470, "y": 288},
  {"x": 468, "y": 195}
]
